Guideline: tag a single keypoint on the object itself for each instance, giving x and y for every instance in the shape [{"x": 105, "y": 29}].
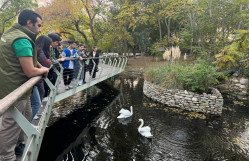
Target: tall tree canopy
[
  {"x": 9, "y": 9},
  {"x": 200, "y": 27}
]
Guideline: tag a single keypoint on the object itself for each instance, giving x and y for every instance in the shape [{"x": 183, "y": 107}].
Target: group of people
[{"x": 23, "y": 56}]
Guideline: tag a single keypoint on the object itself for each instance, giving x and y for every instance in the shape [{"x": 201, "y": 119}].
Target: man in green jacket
[{"x": 18, "y": 62}]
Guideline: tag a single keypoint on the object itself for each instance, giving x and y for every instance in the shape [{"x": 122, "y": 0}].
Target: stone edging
[
  {"x": 205, "y": 103},
  {"x": 235, "y": 86}
]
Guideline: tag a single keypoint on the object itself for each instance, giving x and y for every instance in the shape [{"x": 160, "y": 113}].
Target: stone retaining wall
[
  {"x": 235, "y": 86},
  {"x": 205, "y": 103}
]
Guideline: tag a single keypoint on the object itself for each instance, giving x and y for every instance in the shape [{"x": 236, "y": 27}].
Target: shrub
[
  {"x": 195, "y": 77},
  {"x": 246, "y": 72},
  {"x": 199, "y": 76}
]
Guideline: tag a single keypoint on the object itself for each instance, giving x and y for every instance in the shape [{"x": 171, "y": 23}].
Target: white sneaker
[
  {"x": 70, "y": 87},
  {"x": 66, "y": 87},
  {"x": 36, "y": 117},
  {"x": 45, "y": 99},
  {"x": 80, "y": 82}
]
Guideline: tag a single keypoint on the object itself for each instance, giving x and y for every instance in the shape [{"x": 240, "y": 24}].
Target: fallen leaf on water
[{"x": 238, "y": 103}]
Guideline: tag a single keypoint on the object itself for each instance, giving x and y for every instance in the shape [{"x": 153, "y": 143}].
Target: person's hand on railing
[
  {"x": 45, "y": 74},
  {"x": 81, "y": 58},
  {"x": 60, "y": 59}
]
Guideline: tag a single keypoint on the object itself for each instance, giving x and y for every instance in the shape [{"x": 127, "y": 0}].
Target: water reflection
[
  {"x": 125, "y": 121},
  {"x": 101, "y": 136},
  {"x": 72, "y": 129}
]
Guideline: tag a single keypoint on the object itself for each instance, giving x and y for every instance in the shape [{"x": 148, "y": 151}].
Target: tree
[
  {"x": 73, "y": 18},
  {"x": 235, "y": 54},
  {"x": 173, "y": 10},
  {"x": 9, "y": 9}
]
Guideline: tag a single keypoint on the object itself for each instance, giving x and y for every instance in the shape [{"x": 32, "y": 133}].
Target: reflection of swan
[
  {"x": 144, "y": 131},
  {"x": 145, "y": 140},
  {"x": 124, "y": 121},
  {"x": 125, "y": 113}
]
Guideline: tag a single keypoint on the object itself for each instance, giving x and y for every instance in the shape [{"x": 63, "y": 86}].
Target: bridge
[{"x": 108, "y": 67}]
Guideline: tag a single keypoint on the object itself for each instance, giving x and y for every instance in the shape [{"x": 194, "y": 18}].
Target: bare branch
[
  {"x": 4, "y": 4},
  {"x": 65, "y": 32}
]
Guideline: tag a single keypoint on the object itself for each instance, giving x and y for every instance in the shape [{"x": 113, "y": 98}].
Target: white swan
[
  {"x": 144, "y": 131},
  {"x": 125, "y": 113}
]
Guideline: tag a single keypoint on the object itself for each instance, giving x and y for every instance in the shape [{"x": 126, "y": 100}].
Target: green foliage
[
  {"x": 159, "y": 55},
  {"x": 198, "y": 76},
  {"x": 165, "y": 76},
  {"x": 120, "y": 39},
  {"x": 141, "y": 39},
  {"x": 200, "y": 27},
  {"x": 154, "y": 48},
  {"x": 246, "y": 72},
  {"x": 235, "y": 54},
  {"x": 195, "y": 77},
  {"x": 9, "y": 9},
  {"x": 158, "y": 48},
  {"x": 222, "y": 76},
  {"x": 185, "y": 39}
]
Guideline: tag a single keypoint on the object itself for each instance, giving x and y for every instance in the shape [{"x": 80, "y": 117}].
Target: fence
[{"x": 106, "y": 68}]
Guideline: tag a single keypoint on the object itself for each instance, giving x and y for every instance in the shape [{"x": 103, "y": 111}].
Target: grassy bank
[{"x": 196, "y": 76}]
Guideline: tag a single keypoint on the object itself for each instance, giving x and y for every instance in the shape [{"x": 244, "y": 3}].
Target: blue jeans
[{"x": 35, "y": 102}]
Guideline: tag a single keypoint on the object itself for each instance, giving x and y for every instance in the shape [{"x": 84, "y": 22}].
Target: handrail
[
  {"x": 12, "y": 97},
  {"x": 88, "y": 58},
  {"x": 35, "y": 134}
]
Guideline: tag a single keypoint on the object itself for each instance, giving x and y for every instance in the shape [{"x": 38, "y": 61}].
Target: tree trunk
[
  {"x": 160, "y": 29},
  {"x": 191, "y": 19},
  {"x": 168, "y": 28},
  {"x": 240, "y": 21},
  {"x": 83, "y": 34},
  {"x": 91, "y": 20},
  {"x": 92, "y": 32}
]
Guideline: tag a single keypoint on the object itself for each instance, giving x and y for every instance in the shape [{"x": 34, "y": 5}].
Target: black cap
[{"x": 54, "y": 37}]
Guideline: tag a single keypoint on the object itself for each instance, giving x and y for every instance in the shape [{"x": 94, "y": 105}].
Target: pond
[{"x": 85, "y": 127}]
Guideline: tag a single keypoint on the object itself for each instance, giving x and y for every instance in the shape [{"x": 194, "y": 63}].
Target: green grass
[{"x": 196, "y": 77}]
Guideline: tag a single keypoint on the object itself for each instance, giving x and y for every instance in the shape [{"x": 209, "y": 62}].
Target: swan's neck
[
  {"x": 142, "y": 124},
  {"x": 131, "y": 108}
]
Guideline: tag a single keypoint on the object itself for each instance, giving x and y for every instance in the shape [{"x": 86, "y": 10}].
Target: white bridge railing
[{"x": 107, "y": 68}]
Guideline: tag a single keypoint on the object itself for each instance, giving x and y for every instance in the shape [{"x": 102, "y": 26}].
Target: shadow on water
[
  {"x": 60, "y": 135},
  {"x": 92, "y": 132}
]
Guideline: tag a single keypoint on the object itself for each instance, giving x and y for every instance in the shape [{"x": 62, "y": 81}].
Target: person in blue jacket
[{"x": 69, "y": 65}]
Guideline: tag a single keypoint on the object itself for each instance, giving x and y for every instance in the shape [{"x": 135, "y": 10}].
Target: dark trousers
[
  {"x": 68, "y": 76},
  {"x": 93, "y": 70},
  {"x": 52, "y": 76},
  {"x": 84, "y": 73}
]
